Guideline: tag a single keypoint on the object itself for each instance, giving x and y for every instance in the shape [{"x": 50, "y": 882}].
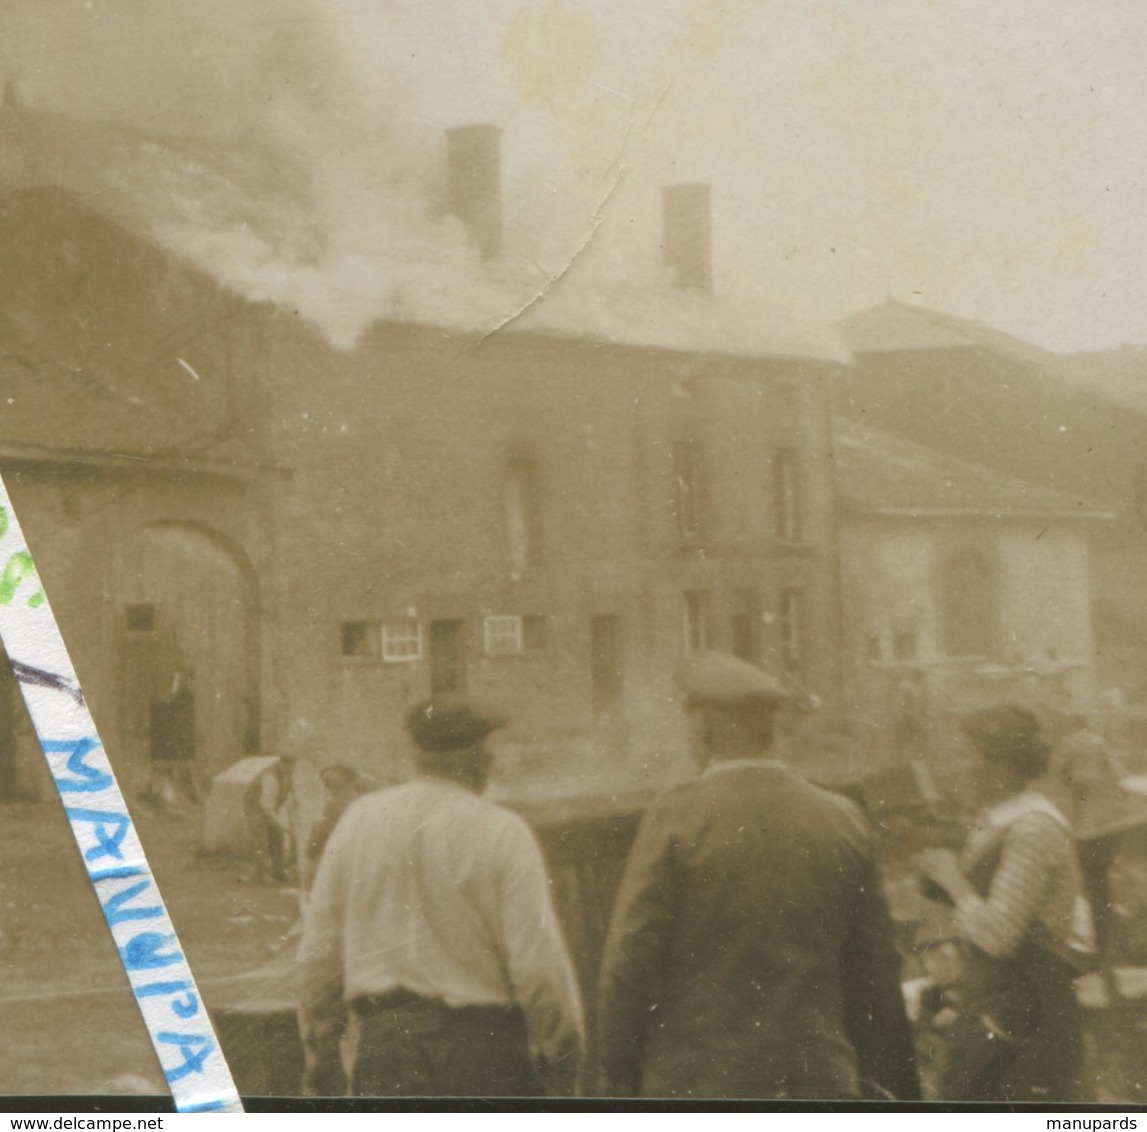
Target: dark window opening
[
  {"x": 969, "y": 603},
  {"x": 140, "y": 618},
  {"x": 688, "y": 491},
  {"x": 523, "y": 514},
  {"x": 791, "y": 629},
  {"x": 698, "y": 620},
  {"x": 535, "y": 630},
  {"x": 787, "y": 503},
  {"x": 360, "y": 638},
  {"x": 447, "y": 657},
  {"x": 746, "y": 625},
  {"x": 606, "y": 661}
]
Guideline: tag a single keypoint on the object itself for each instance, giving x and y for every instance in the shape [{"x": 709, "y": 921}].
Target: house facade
[
  {"x": 547, "y": 523},
  {"x": 314, "y": 538}
]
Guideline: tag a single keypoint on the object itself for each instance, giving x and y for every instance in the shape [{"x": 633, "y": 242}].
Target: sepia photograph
[{"x": 606, "y": 545}]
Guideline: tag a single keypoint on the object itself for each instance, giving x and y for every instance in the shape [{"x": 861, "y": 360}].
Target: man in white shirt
[{"x": 431, "y": 921}]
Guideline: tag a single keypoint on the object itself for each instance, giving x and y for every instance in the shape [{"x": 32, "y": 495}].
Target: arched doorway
[
  {"x": 188, "y": 626},
  {"x": 970, "y": 604}
]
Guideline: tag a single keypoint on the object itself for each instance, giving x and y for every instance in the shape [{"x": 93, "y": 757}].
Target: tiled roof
[{"x": 880, "y": 473}]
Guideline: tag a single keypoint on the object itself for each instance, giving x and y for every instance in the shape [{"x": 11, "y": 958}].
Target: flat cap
[
  {"x": 450, "y": 723},
  {"x": 718, "y": 678}
]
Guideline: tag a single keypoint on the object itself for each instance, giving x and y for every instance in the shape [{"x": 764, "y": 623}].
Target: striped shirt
[{"x": 1037, "y": 879}]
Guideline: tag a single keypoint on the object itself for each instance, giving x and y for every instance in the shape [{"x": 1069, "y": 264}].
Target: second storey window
[
  {"x": 523, "y": 515},
  {"x": 698, "y": 610},
  {"x": 688, "y": 491},
  {"x": 787, "y": 502}
]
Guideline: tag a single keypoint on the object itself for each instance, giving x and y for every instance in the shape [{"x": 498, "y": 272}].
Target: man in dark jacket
[{"x": 750, "y": 952}]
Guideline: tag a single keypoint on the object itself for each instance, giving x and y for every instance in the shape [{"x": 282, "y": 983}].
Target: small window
[
  {"x": 787, "y": 503},
  {"x": 503, "y": 635},
  {"x": 140, "y": 618},
  {"x": 791, "y": 626},
  {"x": 688, "y": 491},
  {"x": 401, "y": 641},
  {"x": 698, "y": 620},
  {"x": 360, "y": 638}
]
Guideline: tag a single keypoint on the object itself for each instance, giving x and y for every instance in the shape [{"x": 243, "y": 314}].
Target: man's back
[
  {"x": 749, "y": 924},
  {"x": 427, "y": 888},
  {"x": 427, "y": 862}
]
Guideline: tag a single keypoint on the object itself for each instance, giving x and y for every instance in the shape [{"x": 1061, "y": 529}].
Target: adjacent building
[
  {"x": 959, "y": 585},
  {"x": 1057, "y": 421}
]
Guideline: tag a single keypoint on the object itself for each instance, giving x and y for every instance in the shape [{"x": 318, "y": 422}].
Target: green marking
[{"x": 20, "y": 567}]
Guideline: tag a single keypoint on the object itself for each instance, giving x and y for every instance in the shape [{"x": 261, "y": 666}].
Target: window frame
[
  {"x": 395, "y": 649},
  {"x": 493, "y": 624}
]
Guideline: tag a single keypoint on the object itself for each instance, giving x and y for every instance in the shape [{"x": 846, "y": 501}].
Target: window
[
  {"x": 523, "y": 515},
  {"x": 360, "y": 638},
  {"x": 969, "y": 604},
  {"x": 401, "y": 641},
  {"x": 791, "y": 628},
  {"x": 503, "y": 635},
  {"x": 509, "y": 634},
  {"x": 698, "y": 620},
  {"x": 688, "y": 491},
  {"x": 140, "y": 618},
  {"x": 606, "y": 661},
  {"x": 787, "y": 504},
  {"x": 746, "y": 625},
  {"x": 447, "y": 657}
]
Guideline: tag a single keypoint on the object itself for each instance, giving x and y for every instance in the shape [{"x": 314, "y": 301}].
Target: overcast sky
[{"x": 982, "y": 158}]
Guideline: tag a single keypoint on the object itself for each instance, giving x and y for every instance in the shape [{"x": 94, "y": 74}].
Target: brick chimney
[
  {"x": 687, "y": 241},
  {"x": 474, "y": 184}
]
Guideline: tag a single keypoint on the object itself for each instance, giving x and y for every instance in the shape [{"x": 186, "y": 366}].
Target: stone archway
[{"x": 188, "y": 622}]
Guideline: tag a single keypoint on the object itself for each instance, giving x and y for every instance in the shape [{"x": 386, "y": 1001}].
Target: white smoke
[{"x": 852, "y": 149}]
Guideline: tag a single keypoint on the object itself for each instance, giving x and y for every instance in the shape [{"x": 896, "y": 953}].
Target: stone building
[
  {"x": 547, "y": 514},
  {"x": 958, "y": 584}
]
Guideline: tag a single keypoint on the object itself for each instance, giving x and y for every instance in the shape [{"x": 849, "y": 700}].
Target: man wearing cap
[
  {"x": 750, "y": 952},
  {"x": 431, "y": 922}
]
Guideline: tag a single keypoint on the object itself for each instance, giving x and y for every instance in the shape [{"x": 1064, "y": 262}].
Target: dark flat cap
[
  {"x": 718, "y": 678},
  {"x": 450, "y": 723}
]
